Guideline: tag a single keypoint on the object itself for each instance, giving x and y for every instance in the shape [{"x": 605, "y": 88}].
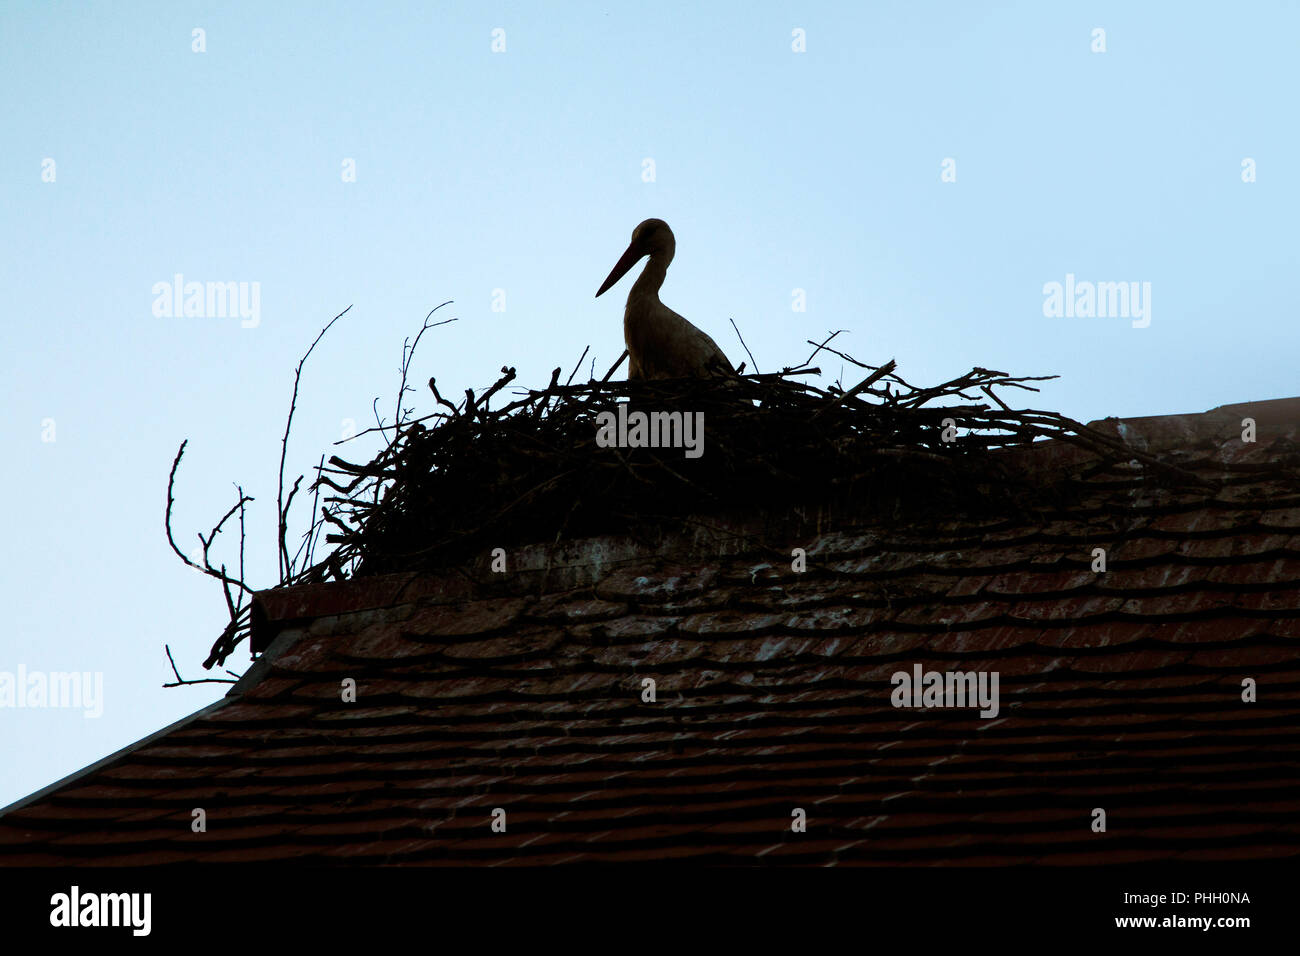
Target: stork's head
[{"x": 650, "y": 238}]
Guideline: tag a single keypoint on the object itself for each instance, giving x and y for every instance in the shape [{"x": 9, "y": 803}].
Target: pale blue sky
[{"x": 522, "y": 171}]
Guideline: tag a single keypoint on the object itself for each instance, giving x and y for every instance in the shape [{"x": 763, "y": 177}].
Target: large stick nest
[{"x": 470, "y": 477}]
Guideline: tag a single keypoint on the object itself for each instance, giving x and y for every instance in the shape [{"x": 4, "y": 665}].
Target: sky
[{"x": 914, "y": 174}]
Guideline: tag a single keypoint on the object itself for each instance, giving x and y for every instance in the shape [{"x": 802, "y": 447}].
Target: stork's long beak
[{"x": 628, "y": 260}]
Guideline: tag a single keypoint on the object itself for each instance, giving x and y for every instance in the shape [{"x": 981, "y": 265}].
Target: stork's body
[{"x": 660, "y": 343}]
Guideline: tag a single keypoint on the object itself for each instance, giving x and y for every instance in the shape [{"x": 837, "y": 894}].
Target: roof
[{"x": 1120, "y": 690}]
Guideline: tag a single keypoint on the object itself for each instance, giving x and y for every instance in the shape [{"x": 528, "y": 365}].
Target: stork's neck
[{"x": 652, "y": 276}]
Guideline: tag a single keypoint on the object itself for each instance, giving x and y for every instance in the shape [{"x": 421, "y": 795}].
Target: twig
[
  {"x": 862, "y": 386},
  {"x": 819, "y": 347},
  {"x": 284, "y": 442},
  {"x": 182, "y": 682},
  {"x": 742, "y": 342},
  {"x": 409, "y": 355},
  {"x": 578, "y": 364}
]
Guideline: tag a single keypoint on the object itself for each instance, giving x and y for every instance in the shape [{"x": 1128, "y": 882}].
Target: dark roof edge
[
  {"x": 250, "y": 678},
  {"x": 1271, "y": 411},
  {"x": 275, "y": 608},
  {"x": 258, "y": 670},
  {"x": 105, "y": 761},
  {"x": 1269, "y": 414}
]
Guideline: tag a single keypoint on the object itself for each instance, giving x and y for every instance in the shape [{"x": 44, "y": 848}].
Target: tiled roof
[{"x": 522, "y": 691}]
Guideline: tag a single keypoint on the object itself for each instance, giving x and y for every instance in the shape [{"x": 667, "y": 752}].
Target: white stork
[{"x": 660, "y": 343}]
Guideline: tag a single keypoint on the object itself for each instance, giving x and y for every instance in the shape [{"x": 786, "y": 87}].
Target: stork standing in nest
[{"x": 660, "y": 343}]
